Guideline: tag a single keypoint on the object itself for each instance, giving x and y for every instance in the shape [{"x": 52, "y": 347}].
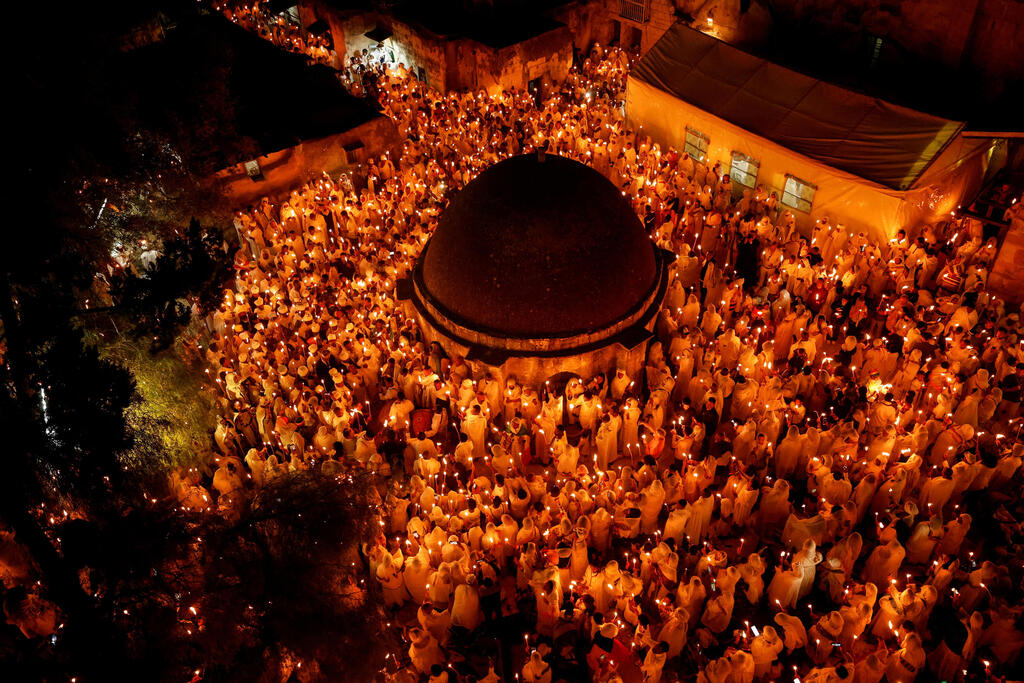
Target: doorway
[{"x": 630, "y": 37}]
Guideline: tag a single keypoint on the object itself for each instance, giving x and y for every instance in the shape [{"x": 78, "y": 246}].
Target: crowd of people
[
  {"x": 281, "y": 30},
  {"x": 814, "y": 479}
]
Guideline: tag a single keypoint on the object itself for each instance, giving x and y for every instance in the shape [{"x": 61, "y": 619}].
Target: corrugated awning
[
  {"x": 378, "y": 34},
  {"x": 871, "y": 138}
]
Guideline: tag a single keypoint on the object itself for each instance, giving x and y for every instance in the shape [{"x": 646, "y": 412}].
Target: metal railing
[{"x": 635, "y": 10}]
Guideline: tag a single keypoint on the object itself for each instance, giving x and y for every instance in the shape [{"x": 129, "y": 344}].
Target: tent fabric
[
  {"x": 860, "y": 205},
  {"x": 847, "y": 130}
]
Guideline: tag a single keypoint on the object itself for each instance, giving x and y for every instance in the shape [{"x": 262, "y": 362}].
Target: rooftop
[
  {"x": 539, "y": 249},
  {"x": 496, "y": 25},
  {"x": 257, "y": 97},
  {"x": 881, "y": 67},
  {"x": 844, "y": 128}
]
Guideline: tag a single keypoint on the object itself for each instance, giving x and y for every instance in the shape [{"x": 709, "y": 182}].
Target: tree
[
  {"x": 63, "y": 439},
  {"x": 295, "y": 548},
  {"x": 242, "y": 597},
  {"x": 156, "y": 302},
  {"x": 153, "y": 328},
  {"x": 85, "y": 409}
]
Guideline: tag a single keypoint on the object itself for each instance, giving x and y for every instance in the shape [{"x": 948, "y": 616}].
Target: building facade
[{"x": 485, "y": 46}]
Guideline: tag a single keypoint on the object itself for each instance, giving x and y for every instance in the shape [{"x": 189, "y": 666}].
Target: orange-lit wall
[
  {"x": 289, "y": 168},
  {"x": 858, "y": 204}
]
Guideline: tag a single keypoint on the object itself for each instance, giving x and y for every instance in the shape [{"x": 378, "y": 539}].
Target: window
[
  {"x": 253, "y": 170},
  {"x": 355, "y": 152},
  {"x": 635, "y": 10},
  {"x": 696, "y": 144},
  {"x": 876, "y": 49},
  {"x": 743, "y": 171},
  {"x": 798, "y": 194}
]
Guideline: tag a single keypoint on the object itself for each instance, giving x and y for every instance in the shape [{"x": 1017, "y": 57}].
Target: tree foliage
[
  {"x": 94, "y": 402},
  {"x": 292, "y": 560},
  {"x": 174, "y": 417},
  {"x": 244, "y": 597},
  {"x": 156, "y": 302},
  {"x": 82, "y": 403}
]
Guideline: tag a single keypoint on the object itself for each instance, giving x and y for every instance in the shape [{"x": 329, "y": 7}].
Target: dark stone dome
[{"x": 538, "y": 249}]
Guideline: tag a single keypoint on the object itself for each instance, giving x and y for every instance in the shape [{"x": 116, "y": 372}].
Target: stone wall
[
  {"x": 411, "y": 47},
  {"x": 311, "y": 11},
  {"x": 663, "y": 15},
  {"x": 535, "y": 370},
  {"x": 354, "y": 26},
  {"x": 420, "y": 50},
  {"x": 1007, "y": 276},
  {"x": 287, "y": 169},
  {"x": 997, "y": 46},
  {"x": 981, "y": 35},
  {"x": 935, "y": 29},
  {"x": 588, "y": 20},
  {"x": 463, "y": 64},
  {"x": 454, "y": 63},
  {"x": 642, "y": 35},
  {"x": 477, "y": 66}
]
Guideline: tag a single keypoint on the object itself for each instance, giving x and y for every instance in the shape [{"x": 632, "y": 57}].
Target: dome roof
[{"x": 538, "y": 249}]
